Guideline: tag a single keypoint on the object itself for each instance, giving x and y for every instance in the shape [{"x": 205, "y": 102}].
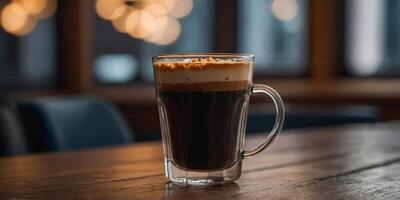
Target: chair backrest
[
  {"x": 12, "y": 141},
  {"x": 72, "y": 122}
]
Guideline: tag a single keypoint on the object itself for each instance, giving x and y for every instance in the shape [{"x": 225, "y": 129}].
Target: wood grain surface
[{"x": 347, "y": 162}]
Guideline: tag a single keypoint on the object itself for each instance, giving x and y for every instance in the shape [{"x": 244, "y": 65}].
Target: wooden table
[{"x": 348, "y": 162}]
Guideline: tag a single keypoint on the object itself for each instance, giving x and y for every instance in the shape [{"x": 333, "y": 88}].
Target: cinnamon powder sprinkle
[{"x": 198, "y": 64}]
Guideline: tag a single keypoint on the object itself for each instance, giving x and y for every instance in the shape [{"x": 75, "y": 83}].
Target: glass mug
[{"x": 203, "y": 102}]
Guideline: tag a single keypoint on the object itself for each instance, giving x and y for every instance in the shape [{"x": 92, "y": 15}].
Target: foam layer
[
  {"x": 203, "y": 75},
  {"x": 202, "y": 70}
]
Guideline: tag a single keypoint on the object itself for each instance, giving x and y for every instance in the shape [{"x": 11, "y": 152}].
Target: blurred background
[{"x": 77, "y": 74}]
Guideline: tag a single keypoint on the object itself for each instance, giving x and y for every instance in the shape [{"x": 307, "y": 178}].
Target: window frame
[{"x": 324, "y": 64}]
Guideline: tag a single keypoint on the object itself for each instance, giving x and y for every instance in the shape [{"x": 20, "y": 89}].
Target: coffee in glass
[{"x": 203, "y": 102}]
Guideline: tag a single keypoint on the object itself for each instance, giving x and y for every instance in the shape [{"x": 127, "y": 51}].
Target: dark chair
[
  {"x": 74, "y": 122},
  {"x": 12, "y": 141}
]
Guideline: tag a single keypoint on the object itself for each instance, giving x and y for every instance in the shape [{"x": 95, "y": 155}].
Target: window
[
  {"x": 28, "y": 53},
  {"x": 372, "y": 37},
  {"x": 121, "y": 58},
  {"x": 275, "y": 32}
]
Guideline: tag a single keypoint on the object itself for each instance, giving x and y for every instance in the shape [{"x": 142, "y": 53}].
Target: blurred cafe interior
[{"x": 78, "y": 74}]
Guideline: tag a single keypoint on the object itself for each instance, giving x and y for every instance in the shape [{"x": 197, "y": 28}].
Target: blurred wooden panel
[
  {"x": 325, "y": 39},
  {"x": 75, "y": 52},
  {"x": 225, "y": 26},
  {"x": 379, "y": 92}
]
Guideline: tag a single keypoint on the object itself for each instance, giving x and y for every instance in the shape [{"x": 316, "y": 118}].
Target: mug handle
[{"x": 279, "y": 119}]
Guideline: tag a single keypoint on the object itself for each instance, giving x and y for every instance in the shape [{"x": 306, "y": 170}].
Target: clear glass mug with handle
[{"x": 203, "y": 103}]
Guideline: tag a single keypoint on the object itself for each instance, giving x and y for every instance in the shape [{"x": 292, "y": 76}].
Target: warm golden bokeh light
[
  {"x": 156, "y": 10},
  {"x": 33, "y": 7},
  {"x": 161, "y": 23},
  {"x": 120, "y": 23},
  {"x": 14, "y": 18},
  {"x": 168, "y": 4},
  {"x": 182, "y": 8},
  {"x": 148, "y": 21},
  {"x": 139, "y": 33},
  {"x": 49, "y": 10},
  {"x": 110, "y": 9},
  {"x": 285, "y": 10},
  {"x": 30, "y": 25},
  {"x": 153, "y": 21},
  {"x": 168, "y": 34},
  {"x": 19, "y": 17},
  {"x": 132, "y": 20}
]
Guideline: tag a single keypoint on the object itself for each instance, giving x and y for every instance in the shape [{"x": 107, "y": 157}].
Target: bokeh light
[
  {"x": 49, "y": 10},
  {"x": 285, "y": 10},
  {"x": 19, "y": 17},
  {"x": 168, "y": 4},
  {"x": 120, "y": 22},
  {"x": 169, "y": 34},
  {"x": 30, "y": 25},
  {"x": 156, "y": 10},
  {"x": 153, "y": 21},
  {"x": 33, "y": 7},
  {"x": 114, "y": 68},
  {"x": 148, "y": 21},
  {"x": 110, "y": 9},
  {"x": 139, "y": 33},
  {"x": 161, "y": 23},
  {"x": 182, "y": 8},
  {"x": 132, "y": 20},
  {"x": 14, "y": 18}
]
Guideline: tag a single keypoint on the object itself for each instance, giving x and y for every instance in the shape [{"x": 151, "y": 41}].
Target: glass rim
[{"x": 242, "y": 56}]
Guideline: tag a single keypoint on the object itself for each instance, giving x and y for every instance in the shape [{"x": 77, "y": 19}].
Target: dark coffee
[
  {"x": 204, "y": 127},
  {"x": 203, "y": 104}
]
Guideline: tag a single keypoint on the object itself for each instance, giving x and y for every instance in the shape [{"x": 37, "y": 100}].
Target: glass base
[{"x": 184, "y": 177}]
